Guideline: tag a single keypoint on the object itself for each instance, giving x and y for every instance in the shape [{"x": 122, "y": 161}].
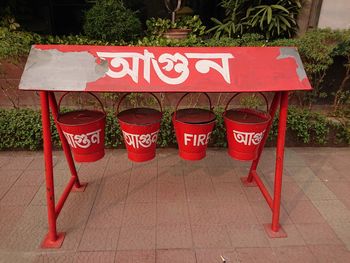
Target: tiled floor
[{"x": 170, "y": 211}]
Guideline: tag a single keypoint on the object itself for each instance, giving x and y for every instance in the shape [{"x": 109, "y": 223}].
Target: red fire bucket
[
  {"x": 140, "y": 128},
  {"x": 84, "y": 131},
  {"x": 193, "y": 128},
  {"x": 245, "y": 129}
]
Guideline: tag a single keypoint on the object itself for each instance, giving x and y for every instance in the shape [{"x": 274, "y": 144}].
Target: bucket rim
[
  {"x": 268, "y": 116},
  {"x": 103, "y": 117},
  {"x": 189, "y": 123},
  {"x": 140, "y": 125}
]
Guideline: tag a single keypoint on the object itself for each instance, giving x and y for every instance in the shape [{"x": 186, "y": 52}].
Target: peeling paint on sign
[
  {"x": 287, "y": 52},
  {"x": 45, "y": 68}
]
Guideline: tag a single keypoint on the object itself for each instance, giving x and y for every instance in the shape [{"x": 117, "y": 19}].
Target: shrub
[
  {"x": 21, "y": 129},
  {"x": 272, "y": 19},
  {"x": 14, "y": 44},
  {"x": 110, "y": 20}
]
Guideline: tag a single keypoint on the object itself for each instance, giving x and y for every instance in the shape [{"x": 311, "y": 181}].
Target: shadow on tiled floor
[{"x": 170, "y": 211}]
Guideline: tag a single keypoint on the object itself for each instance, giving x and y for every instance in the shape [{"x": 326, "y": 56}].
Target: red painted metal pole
[
  {"x": 65, "y": 146},
  {"x": 263, "y": 189},
  {"x": 50, "y": 193},
  {"x": 282, "y": 127},
  {"x": 273, "y": 109},
  {"x": 64, "y": 196}
]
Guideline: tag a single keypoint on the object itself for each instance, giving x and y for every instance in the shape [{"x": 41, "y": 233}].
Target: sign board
[{"x": 163, "y": 69}]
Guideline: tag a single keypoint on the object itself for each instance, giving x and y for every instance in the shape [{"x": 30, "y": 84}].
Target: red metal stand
[
  {"x": 54, "y": 239},
  {"x": 77, "y": 187},
  {"x": 274, "y": 230},
  {"x": 188, "y": 69}
]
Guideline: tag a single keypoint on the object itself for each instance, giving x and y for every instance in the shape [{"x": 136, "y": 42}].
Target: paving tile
[
  {"x": 4, "y": 190},
  {"x": 9, "y": 217},
  {"x": 39, "y": 198},
  {"x": 316, "y": 190},
  {"x": 244, "y": 235},
  {"x": 94, "y": 257},
  {"x": 291, "y": 191},
  {"x": 294, "y": 238},
  {"x": 174, "y": 236},
  {"x": 229, "y": 192},
  {"x": 294, "y": 254},
  {"x": 218, "y": 158},
  {"x": 333, "y": 210},
  {"x": 303, "y": 211},
  {"x": 264, "y": 214},
  {"x": 175, "y": 256},
  {"x": 315, "y": 234},
  {"x": 171, "y": 192},
  {"x": 4, "y": 160},
  {"x": 135, "y": 256},
  {"x": 112, "y": 192},
  {"x": 210, "y": 236},
  {"x": 73, "y": 237},
  {"x": 340, "y": 189},
  {"x": 330, "y": 253},
  {"x": 256, "y": 255},
  {"x": 253, "y": 194},
  {"x": 31, "y": 177},
  {"x": 137, "y": 237},
  {"x": 9, "y": 177},
  {"x": 29, "y": 231},
  {"x": 302, "y": 174},
  {"x": 145, "y": 193},
  {"x": 38, "y": 163},
  {"x": 200, "y": 192},
  {"x": 60, "y": 257},
  {"x": 342, "y": 230},
  {"x": 327, "y": 173},
  {"x": 340, "y": 160},
  {"x": 62, "y": 164},
  {"x": 95, "y": 239},
  {"x": 18, "y": 163},
  {"x": 91, "y": 174},
  {"x": 172, "y": 213},
  {"x": 223, "y": 174},
  {"x": 242, "y": 171},
  {"x": 19, "y": 195},
  {"x": 267, "y": 172},
  {"x": 118, "y": 161},
  {"x": 106, "y": 217},
  {"x": 292, "y": 158},
  {"x": 215, "y": 255},
  {"x": 315, "y": 159},
  {"x": 142, "y": 173},
  {"x": 176, "y": 205},
  {"x": 170, "y": 174},
  {"x": 345, "y": 202},
  {"x": 237, "y": 213},
  {"x": 139, "y": 214},
  {"x": 204, "y": 213},
  {"x": 166, "y": 159},
  {"x": 196, "y": 175}
]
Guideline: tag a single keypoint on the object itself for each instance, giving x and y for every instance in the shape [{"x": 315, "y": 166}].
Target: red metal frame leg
[
  {"x": 248, "y": 180},
  {"x": 52, "y": 239},
  {"x": 275, "y": 230},
  {"x": 78, "y": 187}
]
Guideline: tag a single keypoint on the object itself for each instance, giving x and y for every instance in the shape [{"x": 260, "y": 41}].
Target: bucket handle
[
  {"x": 235, "y": 95},
  {"x": 66, "y": 93},
  {"x": 154, "y": 96},
  {"x": 178, "y": 103}
]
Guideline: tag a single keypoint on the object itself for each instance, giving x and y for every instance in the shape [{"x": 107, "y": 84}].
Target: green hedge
[{"x": 21, "y": 129}]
